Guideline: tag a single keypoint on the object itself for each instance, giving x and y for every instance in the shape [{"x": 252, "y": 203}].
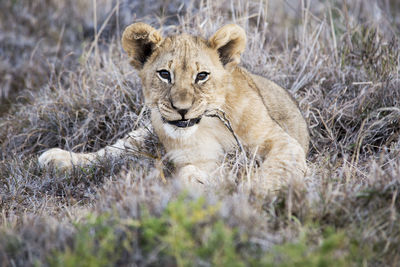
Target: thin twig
[
  {"x": 220, "y": 114},
  {"x": 222, "y": 117}
]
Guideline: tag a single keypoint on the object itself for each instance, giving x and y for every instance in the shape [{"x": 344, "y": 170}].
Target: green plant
[{"x": 95, "y": 244}]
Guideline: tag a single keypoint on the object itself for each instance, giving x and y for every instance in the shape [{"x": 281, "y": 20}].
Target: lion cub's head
[{"x": 183, "y": 76}]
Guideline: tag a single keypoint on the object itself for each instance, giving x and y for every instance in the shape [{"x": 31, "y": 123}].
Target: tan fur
[{"x": 262, "y": 114}]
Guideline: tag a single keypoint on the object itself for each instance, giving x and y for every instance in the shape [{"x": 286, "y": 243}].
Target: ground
[{"x": 65, "y": 82}]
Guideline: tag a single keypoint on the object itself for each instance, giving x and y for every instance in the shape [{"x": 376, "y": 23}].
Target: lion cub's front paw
[
  {"x": 60, "y": 159},
  {"x": 192, "y": 177}
]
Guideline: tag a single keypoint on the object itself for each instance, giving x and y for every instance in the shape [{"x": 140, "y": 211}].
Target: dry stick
[
  {"x": 60, "y": 37},
  {"x": 226, "y": 122},
  {"x": 333, "y": 34},
  {"x": 356, "y": 154},
  {"x": 222, "y": 117},
  {"x": 98, "y": 33},
  {"x": 348, "y": 33},
  {"x": 95, "y": 42},
  {"x": 295, "y": 86}
]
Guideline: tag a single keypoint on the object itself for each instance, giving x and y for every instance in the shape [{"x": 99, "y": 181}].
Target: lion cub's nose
[
  {"x": 182, "y": 103},
  {"x": 182, "y": 112}
]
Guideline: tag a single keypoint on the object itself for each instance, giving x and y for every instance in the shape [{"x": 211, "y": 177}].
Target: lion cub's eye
[
  {"x": 201, "y": 76},
  {"x": 164, "y": 74}
]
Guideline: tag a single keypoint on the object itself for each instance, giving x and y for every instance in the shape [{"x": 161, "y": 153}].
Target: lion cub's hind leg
[{"x": 284, "y": 165}]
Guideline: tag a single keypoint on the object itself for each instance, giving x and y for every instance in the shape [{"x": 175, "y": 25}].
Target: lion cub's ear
[
  {"x": 230, "y": 42},
  {"x": 139, "y": 41}
]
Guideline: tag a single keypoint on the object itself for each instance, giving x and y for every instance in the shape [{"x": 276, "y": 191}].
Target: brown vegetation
[{"x": 65, "y": 82}]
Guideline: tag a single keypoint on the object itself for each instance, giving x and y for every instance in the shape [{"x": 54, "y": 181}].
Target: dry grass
[{"x": 65, "y": 82}]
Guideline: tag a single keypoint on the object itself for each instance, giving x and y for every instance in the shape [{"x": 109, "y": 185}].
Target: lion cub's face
[
  {"x": 183, "y": 76},
  {"x": 182, "y": 80}
]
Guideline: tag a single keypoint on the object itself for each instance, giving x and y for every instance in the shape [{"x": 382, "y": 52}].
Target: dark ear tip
[
  {"x": 139, "y": 41},
  {"x": 230, "y": 42}
]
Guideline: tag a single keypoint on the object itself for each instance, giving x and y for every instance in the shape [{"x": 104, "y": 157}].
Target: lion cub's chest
[{"x": 207, "y": 143}]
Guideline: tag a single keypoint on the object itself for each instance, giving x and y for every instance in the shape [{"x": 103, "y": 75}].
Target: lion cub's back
[{"x": 284, "y": 110}]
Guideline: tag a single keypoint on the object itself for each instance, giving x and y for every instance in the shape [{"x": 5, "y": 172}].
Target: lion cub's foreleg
[{"x": 63, "y": 160}]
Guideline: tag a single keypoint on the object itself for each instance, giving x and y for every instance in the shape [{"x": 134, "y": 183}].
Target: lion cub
[{"x": 203, "y": 105}]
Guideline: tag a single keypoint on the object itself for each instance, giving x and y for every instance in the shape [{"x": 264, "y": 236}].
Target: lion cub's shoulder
[{"x": 280, "y": 104}]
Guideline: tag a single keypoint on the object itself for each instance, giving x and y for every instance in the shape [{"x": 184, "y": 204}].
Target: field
[{"x": 65, "y": 82}]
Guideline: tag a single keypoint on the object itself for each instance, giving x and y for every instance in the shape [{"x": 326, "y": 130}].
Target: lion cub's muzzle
[
  {"x": 183, "y": 123},
  {"x": 181, "y": 116}
]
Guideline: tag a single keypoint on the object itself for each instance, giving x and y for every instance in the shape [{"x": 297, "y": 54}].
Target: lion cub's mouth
[{"x": 184, "y": 123}]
